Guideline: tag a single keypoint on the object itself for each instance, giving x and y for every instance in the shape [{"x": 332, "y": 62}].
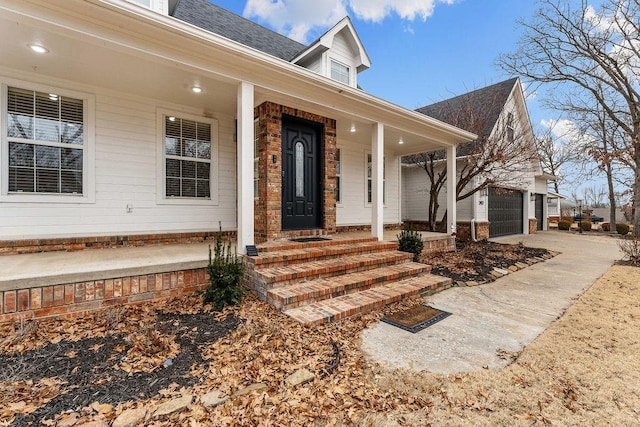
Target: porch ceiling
[{"x": 125, "y": 48}]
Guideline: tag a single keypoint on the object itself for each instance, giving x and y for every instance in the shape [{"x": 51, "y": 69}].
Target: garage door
[{"x": 505, "y": 212}]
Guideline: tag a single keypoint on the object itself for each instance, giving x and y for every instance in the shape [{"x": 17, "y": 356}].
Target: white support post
[
  {"x": 452, "y": 216},
  {"x": 377, "y": 166},
  {"x": 245, "y": 157}
]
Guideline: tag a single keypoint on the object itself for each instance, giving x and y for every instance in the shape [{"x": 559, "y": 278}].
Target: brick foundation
[
  {"x": 14, "y": 247},
  {"x": 74, "y": 298},
  {"x": 463, "y": 228},
  {"x": 533, "y": 225},
  {"x": 268, "y": 205},
  {"x": 443, "y": 244},
  {"x": 365, "y": 227}
]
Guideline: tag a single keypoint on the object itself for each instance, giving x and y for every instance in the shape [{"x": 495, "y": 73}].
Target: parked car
[{"x": 582, "y": 217}]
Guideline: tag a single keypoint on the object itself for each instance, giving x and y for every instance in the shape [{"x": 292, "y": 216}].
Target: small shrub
[
  {"x": 226, "y": 271},
  {"x": 564, "y": 225},
  {"x": 586, "y": 225},
  {"x": 622, "y": 228},
  {"x": 630, "y": 247},
  {"x": 410, "y": 241},
  {"x": 605, "y": 226},
  {"x": 567, "y": 219}
]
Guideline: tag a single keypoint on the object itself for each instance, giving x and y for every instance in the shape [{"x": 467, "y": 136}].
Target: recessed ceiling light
[
  {"x": 352, "y": 129},
  {"x": 400, "y": 141},
  {"x": 196, "y": 89},
  {"x": 37, "y": 48}
]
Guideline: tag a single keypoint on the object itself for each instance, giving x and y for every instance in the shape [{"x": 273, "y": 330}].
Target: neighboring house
[
  {"x": 517, "y": 202},
  {"x": 164, "y": 120},
  {"x": 555, "y": 203}
]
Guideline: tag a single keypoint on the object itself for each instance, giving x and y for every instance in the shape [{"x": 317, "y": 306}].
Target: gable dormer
[{"x": 338, "y": 54}]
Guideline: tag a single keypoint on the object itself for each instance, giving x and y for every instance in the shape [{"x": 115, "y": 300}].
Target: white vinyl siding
[
  {"x": 127, "y": 133},
  {"x": 353, "y": 208}
]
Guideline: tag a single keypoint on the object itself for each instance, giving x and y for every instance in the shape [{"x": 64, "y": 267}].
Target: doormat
[
  {"x": 309, "y": 239},
  {"x": 416, "y": 318}
]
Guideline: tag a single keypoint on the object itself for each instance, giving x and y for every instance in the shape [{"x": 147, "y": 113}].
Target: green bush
[
  {"x": 567, "y": 219},
  {"x": 226, "y": 271},
  {"x": 410, "y": 240},
  {"x": 586, "y": 225},
  {"x": 564, "y": 225},
  {"x": 605, "y": 226},
  {"x": 622, "y": 228}
]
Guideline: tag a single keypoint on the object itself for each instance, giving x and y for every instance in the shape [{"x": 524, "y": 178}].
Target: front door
[{"x": 301, "y": 175}]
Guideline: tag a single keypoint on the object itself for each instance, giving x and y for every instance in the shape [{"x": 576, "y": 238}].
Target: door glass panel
[{"x": 299, "y": 169}]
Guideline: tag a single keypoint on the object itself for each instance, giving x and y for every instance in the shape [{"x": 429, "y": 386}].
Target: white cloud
[{"x": 298, "y": 18}]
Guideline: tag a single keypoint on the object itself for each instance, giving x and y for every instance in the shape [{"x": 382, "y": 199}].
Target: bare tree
[
  {"x": 503, "y": 153},
  {"x": 595, "y": 53},
  {"x": 556, "y": 152}
]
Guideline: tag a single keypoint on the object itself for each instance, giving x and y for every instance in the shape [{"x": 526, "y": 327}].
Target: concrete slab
[{"x": 507, "y": 314}]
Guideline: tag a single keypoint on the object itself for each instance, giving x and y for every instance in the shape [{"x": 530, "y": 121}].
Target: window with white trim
[
  {"x": 187, "y": 158},
  {"x": 370, "y": 179},
  {"x": 338, "y": 175},
  {"x": 340, "y": 72},
  {"x": 46, "y": 143},
  {"x": 510, "y": 128}
]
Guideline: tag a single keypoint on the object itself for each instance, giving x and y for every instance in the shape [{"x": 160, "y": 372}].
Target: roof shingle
[{"x": 211, "y": 17}]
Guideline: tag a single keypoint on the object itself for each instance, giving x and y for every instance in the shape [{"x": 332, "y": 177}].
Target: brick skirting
[
  {"x": 14, "y": 247},
  {"x": 533, "y": 225},
  {"x": 365, "y": 227},
  {"x": 75, "y": 298},
  {"x": 443, "y": 244},
  {"x": 463, "y": 228}
]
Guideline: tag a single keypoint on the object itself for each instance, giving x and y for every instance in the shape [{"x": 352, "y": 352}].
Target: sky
[{"x": 422, "y": 51}]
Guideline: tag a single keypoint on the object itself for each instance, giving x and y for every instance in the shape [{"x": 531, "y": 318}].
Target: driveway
[{"x": 500, "y": 317}]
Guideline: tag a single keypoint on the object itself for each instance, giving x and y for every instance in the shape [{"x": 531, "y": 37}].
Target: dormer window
[
  {"x": 340, "y": 72},
  {"x": 160, "y": 6}
]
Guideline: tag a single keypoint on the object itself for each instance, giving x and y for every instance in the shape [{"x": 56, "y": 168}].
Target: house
[
  {"x": 127, "y": 122},
  {"x": 515, "y": 199},
  {"x": 555, "y": 204}
]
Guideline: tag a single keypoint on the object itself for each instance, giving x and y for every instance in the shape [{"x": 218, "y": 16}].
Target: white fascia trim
[{"x": 156, "y": 30}]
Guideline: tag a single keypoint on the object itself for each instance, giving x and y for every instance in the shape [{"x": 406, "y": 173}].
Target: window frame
[
  {"x": 349, "y": 77},
  {"x": 161, "y": 198},
  {"x": 511, "y": 130},
  {"x": 88, "y": 146},
  {"x": 368, "y": 179}
]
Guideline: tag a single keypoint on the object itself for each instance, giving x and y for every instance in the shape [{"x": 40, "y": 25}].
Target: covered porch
[{"x": 165, "y": 69}]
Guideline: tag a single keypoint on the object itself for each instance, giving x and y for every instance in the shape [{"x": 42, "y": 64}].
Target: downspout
[{"x": 473, "y": 230}]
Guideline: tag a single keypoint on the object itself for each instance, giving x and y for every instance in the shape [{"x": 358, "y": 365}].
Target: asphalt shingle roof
[
  {"x": 211, "y": 17},
  {"x": 476, "y": 111}
]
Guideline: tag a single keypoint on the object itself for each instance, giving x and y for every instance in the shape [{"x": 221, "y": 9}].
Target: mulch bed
[
  {"x": 117, "y": 368},
  {"x": 95, "y": 366},
  {"x": 474, "y": 261}
]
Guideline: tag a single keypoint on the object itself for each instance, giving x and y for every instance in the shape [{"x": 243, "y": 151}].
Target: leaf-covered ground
[{"x": 583, "y": 370}]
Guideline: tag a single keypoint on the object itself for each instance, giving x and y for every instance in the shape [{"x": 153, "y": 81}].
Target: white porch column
[
  {"x": 452, "y": 216},
  {"x": 245, "y": 167},
  {"x": 377, "y": 174}
]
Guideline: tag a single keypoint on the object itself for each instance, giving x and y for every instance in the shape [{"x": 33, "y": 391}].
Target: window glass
[
  {"x": 187, "y": 148},
  {"x": 45, "y": 133},
  {"x": 339, "y": 72}
]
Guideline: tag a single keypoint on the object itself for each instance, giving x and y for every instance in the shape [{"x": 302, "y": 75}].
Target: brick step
[
  {"x": 285, "y": 245},
  {"x": 364, "y": 301},
  {"x": 304, "y": 254},
  {"x": 298, "y": 294},
  {"x": 288, "y": 274}
]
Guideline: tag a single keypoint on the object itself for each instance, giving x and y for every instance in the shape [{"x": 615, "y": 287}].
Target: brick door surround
[{"x": 268, "y": 204}]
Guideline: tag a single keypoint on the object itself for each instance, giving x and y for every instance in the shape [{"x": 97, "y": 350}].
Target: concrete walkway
[{"x": 507, "y": 314}]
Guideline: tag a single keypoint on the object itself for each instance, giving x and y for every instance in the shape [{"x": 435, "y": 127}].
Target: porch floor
[{"x": 52, "y": 268}]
